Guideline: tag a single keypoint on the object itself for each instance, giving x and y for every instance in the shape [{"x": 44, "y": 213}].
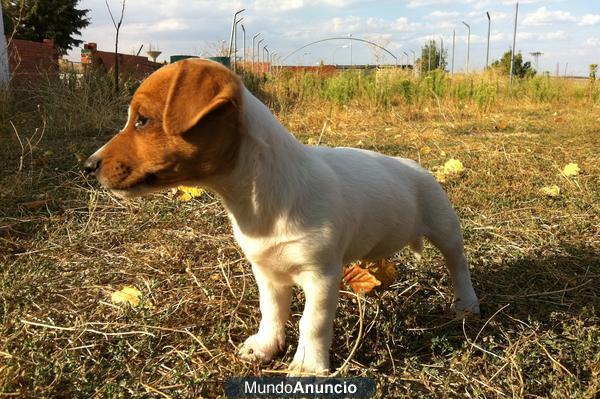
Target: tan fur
[{"x": 193, "y": 133}]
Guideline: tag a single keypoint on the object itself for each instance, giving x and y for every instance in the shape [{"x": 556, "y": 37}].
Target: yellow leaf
[
  {"x": 454, "y": 166},
  {"x": 550, "y": 191},
  {"x": 451, "y": 168},
  {"x": 360, "y": 279},
  {"x": 127, "y": 295},
  {"x": 571, "y": 170},
  {"x": 185, "y": 193},
  {"x": 425, "y": 150}
]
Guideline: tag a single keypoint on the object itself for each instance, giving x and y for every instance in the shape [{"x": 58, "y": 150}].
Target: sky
[{"x": 565, "y": 31}]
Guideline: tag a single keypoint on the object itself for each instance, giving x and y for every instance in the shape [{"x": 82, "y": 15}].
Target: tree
[
  {"x": 593, "y": 71},
  {"x": 117, "y": 25},
  {"x": 521, "y": 69},
  {"x": 432, "y": 57},
  {"x": 36, "y": 20}
]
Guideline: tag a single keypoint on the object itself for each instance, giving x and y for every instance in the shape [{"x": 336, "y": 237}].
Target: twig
[{"x": 106, "y": 334}]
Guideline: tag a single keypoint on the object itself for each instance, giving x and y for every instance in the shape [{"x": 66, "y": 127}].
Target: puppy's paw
[
  {"x": 260, "y": 349},
  {"x": 466, "y": 309},
  {"x": 308, "y": 365}
]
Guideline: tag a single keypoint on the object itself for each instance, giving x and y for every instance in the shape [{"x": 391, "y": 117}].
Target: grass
[{"x": 66, "y": 245}]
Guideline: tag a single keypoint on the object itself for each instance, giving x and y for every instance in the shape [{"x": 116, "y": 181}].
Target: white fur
[{"x": 300, "y": 213}]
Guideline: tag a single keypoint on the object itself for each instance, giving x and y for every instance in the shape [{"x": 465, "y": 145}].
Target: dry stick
[
  {"x": 358, "y": 338},
  {"x": 22, "y": 148},
  {"x": 106, "y": 334},
  {"x": 477, "y": 346},
  {"x": 553, "y": 359},
  {"x": 154, "y": 390}
]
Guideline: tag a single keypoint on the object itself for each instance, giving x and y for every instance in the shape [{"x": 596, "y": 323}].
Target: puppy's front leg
[
  {"x": 316, "y": 325},
  {"x": 275, "y": 299}
]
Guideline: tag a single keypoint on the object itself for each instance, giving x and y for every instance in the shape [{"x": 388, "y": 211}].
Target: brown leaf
[
  {"x": 361, "y": 280},
  {"x": 384, "y": 271},
  {"x": 34, "y": 205}
]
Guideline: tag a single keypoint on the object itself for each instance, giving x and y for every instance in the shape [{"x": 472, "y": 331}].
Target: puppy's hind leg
[{"x": 447, "y": 237}]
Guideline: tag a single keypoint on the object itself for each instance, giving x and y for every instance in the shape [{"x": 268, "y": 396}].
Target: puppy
[{"x": 299, "y": 213}]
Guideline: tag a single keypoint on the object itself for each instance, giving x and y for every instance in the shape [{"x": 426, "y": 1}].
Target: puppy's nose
[{"x": 91, "y": 165}]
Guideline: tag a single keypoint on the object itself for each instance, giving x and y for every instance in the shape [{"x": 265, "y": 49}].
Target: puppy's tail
[{"x": 417, "y": 247}]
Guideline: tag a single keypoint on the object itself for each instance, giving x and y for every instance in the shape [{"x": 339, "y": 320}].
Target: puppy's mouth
[{"x": 148, "y": 184}]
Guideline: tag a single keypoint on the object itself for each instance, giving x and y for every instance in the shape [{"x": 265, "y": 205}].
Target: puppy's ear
[{"x": 197, "y": 91}]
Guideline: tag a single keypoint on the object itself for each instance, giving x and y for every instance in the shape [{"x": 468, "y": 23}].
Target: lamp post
[
  {"x": 266, "y": 50},
  {"x": 453, "y": 48},
  {"x": 468, "y": 45},
  {"x": 244, "y": 42},
  {"x": 258, "y": 68},
  {"x": 487, "y": 54},
  {"x": 235, "y": 44},
  {"x": 233, "y": 25},
  {"x": 253, "y": 52}
]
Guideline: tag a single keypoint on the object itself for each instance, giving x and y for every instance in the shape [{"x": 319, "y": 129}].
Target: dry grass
[{"x": 535, "y": 263}]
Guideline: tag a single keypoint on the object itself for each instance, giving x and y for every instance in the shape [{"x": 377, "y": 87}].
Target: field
[{"x": 66, "y": 245}]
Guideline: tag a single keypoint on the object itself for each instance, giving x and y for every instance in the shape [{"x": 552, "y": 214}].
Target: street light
[
  {"x": 233, "y": 24},
  {"x": 253, "y": 47},
  {"x": 266, "y": 50},
  {"x": 235, "y": 44},
  {"x": 468, "y": 45},
  {"x": 487, "y": 56},
  {"x": 258, "y": 67},
  {"x": 453, "y": 48},
  {"x": 244, "y": 53}
]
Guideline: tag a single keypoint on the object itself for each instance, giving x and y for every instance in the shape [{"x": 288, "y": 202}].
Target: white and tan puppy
[{"x": 299, "y": 213}]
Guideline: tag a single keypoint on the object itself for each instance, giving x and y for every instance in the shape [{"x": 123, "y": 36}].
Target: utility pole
[
  {"x": 487, "y": 54},
  {"x": 453, "y": 48},
  {"x": 512, "y": 58},
  {"x": 468, "y": 45},
  {"x": 406, "y": 54},
  {"x": 414, "y": 60},
  {"x": 253, "y": 52},
  {"x": 566, "y": 67},
  {"x": 4, "y": 70},
  {"x": 233, "y": 25}
]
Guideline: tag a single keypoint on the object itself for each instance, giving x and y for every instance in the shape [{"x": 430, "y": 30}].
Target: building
[{"x": 130, "y": 65}]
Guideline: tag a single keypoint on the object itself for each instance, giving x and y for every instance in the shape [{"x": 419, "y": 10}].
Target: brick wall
[
  {"x": 31, "y": 61},
  {"x": 131, "y": 65}
]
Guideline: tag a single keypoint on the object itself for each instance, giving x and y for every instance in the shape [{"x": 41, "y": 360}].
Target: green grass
[{"x": 535, "y": 260}]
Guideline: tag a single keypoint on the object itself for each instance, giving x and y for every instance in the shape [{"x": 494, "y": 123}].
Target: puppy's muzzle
[{"x": 91, "y": 165}]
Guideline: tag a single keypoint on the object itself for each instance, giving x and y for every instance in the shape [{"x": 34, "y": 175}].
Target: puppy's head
[{"x": 183, "y": 128}]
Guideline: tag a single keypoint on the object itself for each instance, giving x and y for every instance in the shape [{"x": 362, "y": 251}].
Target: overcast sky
[{"x": 564, "y": 30}]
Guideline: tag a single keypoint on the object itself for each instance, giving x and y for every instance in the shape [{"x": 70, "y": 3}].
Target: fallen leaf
[
  {"x": 127, "y": 295},
  {"x": 571, "y": 170},
  {"x": 361, "y": 280},
  {"x": 34, "y": 205},
  {"x": 550, "y": 191},
  {"x": 384, "y": 271},
  {"x": 425, "y": 150},
  {"x": 451, "y": 168},
  {"x": 185, "y": 193}
]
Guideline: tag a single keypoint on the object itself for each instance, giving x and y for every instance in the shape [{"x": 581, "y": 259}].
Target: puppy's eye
[{"x": 141, "y": 122}]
